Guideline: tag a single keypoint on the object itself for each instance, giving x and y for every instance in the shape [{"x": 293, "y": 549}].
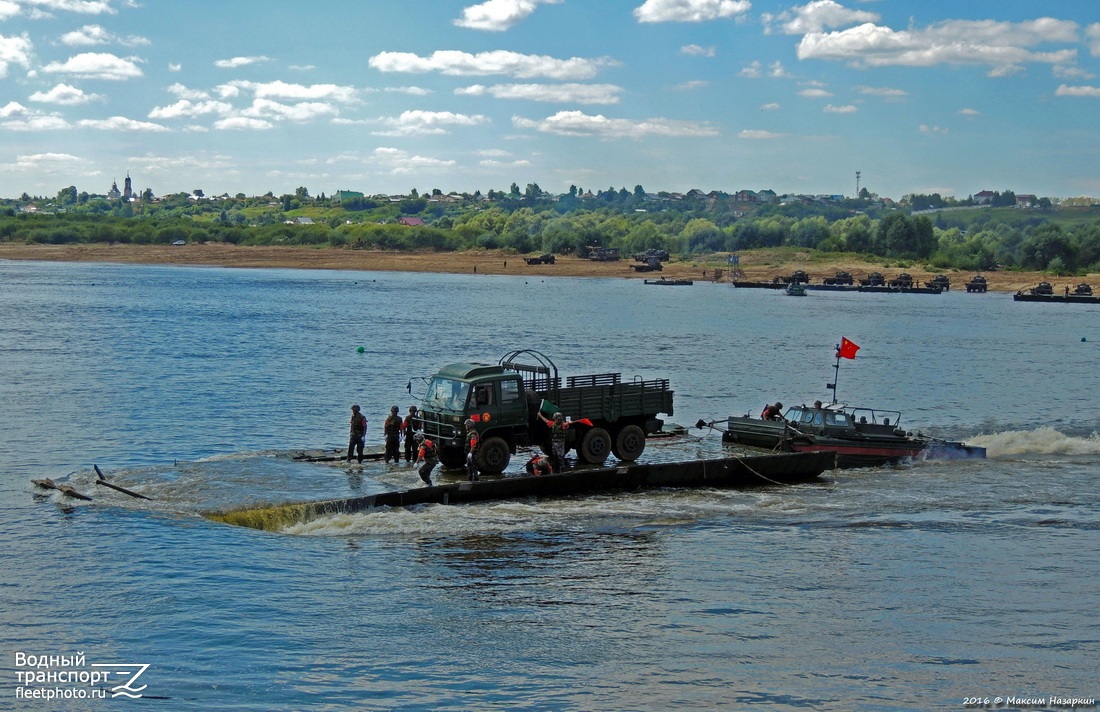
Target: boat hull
[{"x": 865, "y": 451}]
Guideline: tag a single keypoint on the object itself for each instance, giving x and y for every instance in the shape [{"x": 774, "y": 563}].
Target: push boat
[{"x": 860, "y": 437}]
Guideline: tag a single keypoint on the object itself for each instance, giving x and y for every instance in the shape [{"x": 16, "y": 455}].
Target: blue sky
[{"x": 384, "y": 96}]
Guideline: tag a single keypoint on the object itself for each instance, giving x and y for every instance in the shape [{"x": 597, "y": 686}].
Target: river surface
[{"x": 906, "y": 588}]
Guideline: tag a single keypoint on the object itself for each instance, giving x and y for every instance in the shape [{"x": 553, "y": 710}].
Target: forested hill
[{"x": 1057, "y": 238}]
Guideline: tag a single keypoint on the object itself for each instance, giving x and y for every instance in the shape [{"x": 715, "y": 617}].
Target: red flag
[{"x": 847, "y": 349}]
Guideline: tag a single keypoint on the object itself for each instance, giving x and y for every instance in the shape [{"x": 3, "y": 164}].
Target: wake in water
[{"x": 1041, "y": 441}]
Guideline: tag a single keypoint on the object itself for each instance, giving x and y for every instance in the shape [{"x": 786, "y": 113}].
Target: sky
[{"x": 384, "y": 96}]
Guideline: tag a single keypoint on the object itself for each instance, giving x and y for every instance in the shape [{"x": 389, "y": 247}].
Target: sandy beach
[{"x": 756, "y": 265}]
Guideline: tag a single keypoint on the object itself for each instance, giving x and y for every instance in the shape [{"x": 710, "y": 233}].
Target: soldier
[
  {"x": 409, "y": 427},
  {"x": 392, "y": 430},
  {"x": 427, "y": 454},
  {"x": 557, "y": 426},
  {"x": 472, "y": 443},
  {"x": 358, "y": 436},
  {"x": 539, "y": 465}
]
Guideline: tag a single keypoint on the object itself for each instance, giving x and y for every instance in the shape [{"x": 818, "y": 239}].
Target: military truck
[
  {"x": 902, "y": 281},
  {"x": 977, "y": 283},
  {"x": 603, "y": 254},
  {"x": 608, "y": 416},
  {"x": 841, "y": 277},
  {"x": 940, "y": 280},
  {"x": 797, "y": 277},
  {"x": 875, "y": 279},
  {"x": 546, "y": 259}
]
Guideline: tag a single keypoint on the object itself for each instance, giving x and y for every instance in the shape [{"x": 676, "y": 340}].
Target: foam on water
[{"x": 1040, "y": 441}]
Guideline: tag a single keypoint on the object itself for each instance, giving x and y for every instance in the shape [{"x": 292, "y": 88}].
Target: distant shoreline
[{"x": 757, "y": 265}]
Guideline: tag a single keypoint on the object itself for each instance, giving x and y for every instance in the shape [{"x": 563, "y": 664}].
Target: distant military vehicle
[
  {"x": 1082, "y": 290},
  {"x": 546, "y": 259},
  {"x": 875, "y": 279},
  {"x": 603, "y": 254},
  {"x": 796, "y": 277},
  {"x": 840, "y": 278},
  {"x": 977, "y": 283},
  {"x": 941, "y": 281},
  {"x": 902, "y": 281}
]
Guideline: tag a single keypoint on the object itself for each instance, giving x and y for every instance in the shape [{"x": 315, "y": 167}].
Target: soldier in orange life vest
[
  {"x": 428, "y": 455},
  {"x": 472, "y": 443},
  {"x": 772, "y": 412},
  {"x": 409, "y": 428},
  {"x": 392, "y": 430}
]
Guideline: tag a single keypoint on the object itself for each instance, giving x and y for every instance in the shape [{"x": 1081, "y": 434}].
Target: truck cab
[{"x": 491, "y": 396}]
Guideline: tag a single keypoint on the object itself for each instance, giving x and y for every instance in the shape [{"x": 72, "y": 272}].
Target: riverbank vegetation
[{"x": 1060, "y": 239}]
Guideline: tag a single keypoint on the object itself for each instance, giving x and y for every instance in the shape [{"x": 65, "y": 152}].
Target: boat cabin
[{"x": 834, "y": 419}]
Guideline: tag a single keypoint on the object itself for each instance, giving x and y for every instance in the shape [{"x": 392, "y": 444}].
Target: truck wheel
[
  {"x": 493, "y": 455},
  {"x": 629, "y": 443},
  {"x": 452, "y": 458},
  {"x": 594, "y": 446}
]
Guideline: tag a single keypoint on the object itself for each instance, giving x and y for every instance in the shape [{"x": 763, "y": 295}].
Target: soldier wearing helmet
[
  {"x": 392, "y": 430},
  {"x": 427, "y": 454},
  {"x": 409, "y": 428},
  {"x": 473, "y": 442},
  {"x": 557, "y": 426}
]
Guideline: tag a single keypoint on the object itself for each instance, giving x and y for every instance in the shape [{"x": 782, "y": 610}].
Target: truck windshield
[{"x": 446, "y": 394}]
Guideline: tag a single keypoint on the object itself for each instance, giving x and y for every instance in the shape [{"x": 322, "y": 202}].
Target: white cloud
[
  {"x": 240, "y": 62},
  {"x": 398, "y": 162},
  {"x": 120, "y": 123},
  {"x": 846, "y": 109},
  {"x": 184, "y": 92},
  {"x": 882, "y": 91},
  {"x": 926, "y": 129},
  {"x": 64, "y": 95},
  {"x": 695, "y": 50},
  {"x": 815, "y": 17},
  {"x": 96, "y": 65},
  {"x": 411, "y": 91},
  {"x": 693, "y": 84},
  {"x": 11, "y": 109},
  {"x": 689, "y": 10},
  {"x": 285, "y": 90},
  {"x": 243, "y": 123},
  {"x": 756, "y": 70},
  {"x": 518, "y": 163},
  {"x": 188, "y": 108},
  {"x": 498, "y": 15},
  {"x": 45, "y": 163},
  {"x": 1071, "y": 72},
  {"x": 300, "y": 112},
  {"x": 1002, "y": 45},
  {"x": 174, "y": 67},
  {"x": 576, "y": 123},
  {"x": 815, "y": 93},
  {"x": 759, "y": 135},
  {"x": 1093, "y": 33},
  {"x": 970, "y": 112},
  {"x": 91, "y": 35},
  {"x": 560, "y": 93},
  {"x": 40, "y": 9},
  {"x": 420, "y": 123},
  {"x": 15, "y": 50},
  {"x": 37, "y": 123},
  {"x": 773, "y": 106},
  {"x": 1086, "y": 91},
  {"x": 464, "y": 64}
]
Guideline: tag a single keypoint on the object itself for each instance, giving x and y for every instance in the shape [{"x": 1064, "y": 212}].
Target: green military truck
[{"x": 504, "y": 400}]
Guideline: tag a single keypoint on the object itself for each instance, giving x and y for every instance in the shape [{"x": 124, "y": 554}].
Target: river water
[{"x": 906, "y": 588}]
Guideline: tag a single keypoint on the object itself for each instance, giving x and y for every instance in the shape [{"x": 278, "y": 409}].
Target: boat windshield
[
  {"x": 446, "y": 394},
  {"x": 840, "y": 419}
]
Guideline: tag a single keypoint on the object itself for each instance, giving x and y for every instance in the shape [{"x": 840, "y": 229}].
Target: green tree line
[{"x": 1063, "y": 241}]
